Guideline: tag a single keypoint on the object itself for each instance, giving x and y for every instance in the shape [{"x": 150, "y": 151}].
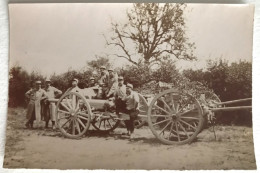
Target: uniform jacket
[{"x": 35, "y": 97}]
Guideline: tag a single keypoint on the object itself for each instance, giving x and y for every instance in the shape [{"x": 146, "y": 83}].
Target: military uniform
[
  {"x": 49, "y": 108},
  {"x": 34, "y": 106}
]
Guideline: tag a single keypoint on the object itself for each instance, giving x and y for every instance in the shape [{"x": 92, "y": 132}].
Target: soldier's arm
[
  {"x": 57, "y": 91},
  {"x": 28, "y": 93},
  {"x": 136, "y": 100},
  {"x": 44, "y": 95}
]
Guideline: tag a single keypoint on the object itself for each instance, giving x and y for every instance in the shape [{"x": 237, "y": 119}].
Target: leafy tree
[
  {"x": 19, "y": 83},
  {"x": 100, "y": 61},
  {"x": 153, "y": 31},
  {"x": 167, "y": 72}
]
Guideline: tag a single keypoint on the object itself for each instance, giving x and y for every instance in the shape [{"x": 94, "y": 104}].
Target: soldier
[
  {"x": 103, "y": 82},
  {"x": 35, "y": 95},
  {"x": 119, "y": 94},
  {"x": 74, "y": 86},
  {"x": 112, "y": 82},
  {"x": 92, "y": 82},
  {"x": 49, "y": 108},
  {"x": 132, "y": 102}
]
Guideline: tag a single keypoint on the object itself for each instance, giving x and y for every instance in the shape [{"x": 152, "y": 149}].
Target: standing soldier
[
  {"x": 120, "y": 93},
  {"x": 112, "y": 82},
  {"x": 103, "y": 82},
  {"x": 35, "y": 95},
  {"x": 132, "y": 102},
  {"x": 49, "y": 108}
]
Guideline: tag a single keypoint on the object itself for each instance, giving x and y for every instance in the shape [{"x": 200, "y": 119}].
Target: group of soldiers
[{"x": 109, "y": 86}]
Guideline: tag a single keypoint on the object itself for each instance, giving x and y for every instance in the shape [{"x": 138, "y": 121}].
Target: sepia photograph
[{"x": 130, "y": 86}]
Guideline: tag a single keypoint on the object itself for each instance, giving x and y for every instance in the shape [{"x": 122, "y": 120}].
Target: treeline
[{"x": 228, "y": 81}]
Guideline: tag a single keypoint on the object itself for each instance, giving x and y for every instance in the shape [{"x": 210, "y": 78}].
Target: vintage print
[{"x": 150, "y": 86}]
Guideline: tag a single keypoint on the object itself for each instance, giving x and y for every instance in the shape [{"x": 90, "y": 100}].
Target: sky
[{"x": 51, "y": 38}]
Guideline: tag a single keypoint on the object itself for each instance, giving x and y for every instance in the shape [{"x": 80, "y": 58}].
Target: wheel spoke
[
  {"x": 73, "y": 127},
  {"x": 81, "y": 123},
  {"x": 65, "y": 117},
  {"x": 82, "y": 117},
  {"x": 77, "y": 125},
  {"x": 65, "y": 123},
  {"x": 109, "y": 124},
  {"x": 68, "y": 103},
  {"x": 82, "y": 114},
  {"x": 65, "y": 106},
  {"x": 177, "y": 107},
  {"x": 165, "y": 127},
  {"x": 105, "y": 124},
  {"x": 166, "y": 104},
  {"x": 156, "y": 115},
  {"x": 65, "y": 112},
  {"x": 162, "y": 121},
  {"x": 99, "y": 124},
  {"x": 162, "y": 109},
  {"x": 69, "y": 125},
  {"x": 183, "y": 129},
  {"x": 170, "y": 131},
  {"x": 188, "y": 124},
  {"x": 177, "y": 130}
]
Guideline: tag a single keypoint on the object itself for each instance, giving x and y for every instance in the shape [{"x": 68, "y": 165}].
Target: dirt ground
[{"x": 233, "y": 149}]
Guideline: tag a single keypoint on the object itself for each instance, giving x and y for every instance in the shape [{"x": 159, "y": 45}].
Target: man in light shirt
[
  {"x": 49, "y": 108},
  {"x": 35, "y": 96},
  {"x": 132, "y": 102}
]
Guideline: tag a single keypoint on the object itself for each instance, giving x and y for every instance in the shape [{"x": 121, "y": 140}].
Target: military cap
[
  {"x": 76, "y": 80},
  {"x": 92, "y": 78},
  {"x": 47, "y": 80},
  {"x": 120, "y": 78},
  {"x": 38, "y": 82},
  {"x": 129, "y": 86},
  {"x": 110, "y": 69},
  {"x": 102, "y": 67}
]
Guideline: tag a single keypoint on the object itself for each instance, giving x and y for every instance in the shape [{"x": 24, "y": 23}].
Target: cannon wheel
[
  {"x": 108, "y": 122},
  {"x": 73, "y": 115},
  {"x": 174, "y": 117}
]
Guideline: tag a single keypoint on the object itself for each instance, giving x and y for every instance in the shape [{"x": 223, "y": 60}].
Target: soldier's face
[
  {"x": 48, "y": 84},
  {"x": 110, "y": 73},
  {"x": 120, "y": 82},
  {"x": 128, "y": 90},
  {"x": 38, "y": 86},
  {"x": 102, "y": 70},
  {"x": 74, "y": 83}
]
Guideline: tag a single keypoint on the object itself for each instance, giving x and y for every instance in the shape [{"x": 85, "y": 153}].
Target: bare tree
[{"x": 153, "y": 31}]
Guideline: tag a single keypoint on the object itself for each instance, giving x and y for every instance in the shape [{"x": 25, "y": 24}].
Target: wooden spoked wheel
[
  {"x": 174, "y": 117},
  {"x": 73, "y": 115},
  {"x": 106, "y": 121}
]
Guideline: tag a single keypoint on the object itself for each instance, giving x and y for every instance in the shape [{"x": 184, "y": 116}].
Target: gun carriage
[{"x": 174, "y": 117}]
